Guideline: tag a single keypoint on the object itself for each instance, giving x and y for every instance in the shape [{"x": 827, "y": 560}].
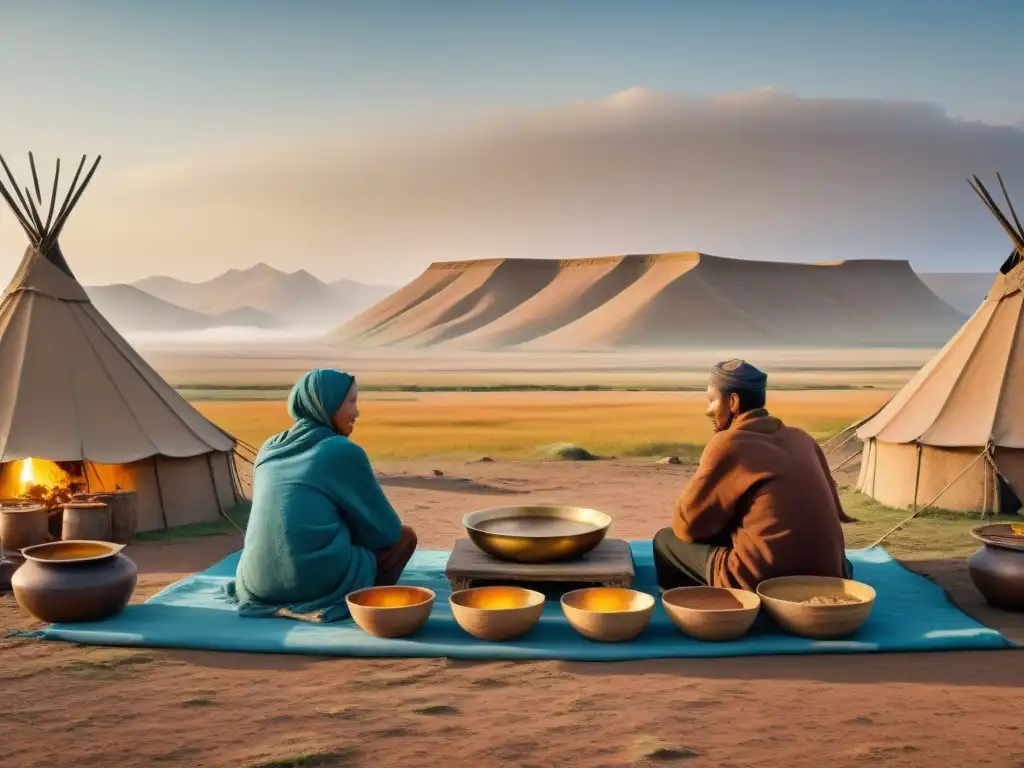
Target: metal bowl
[
  {"x": 608, "y": 614},
  {"x": 537, "y": 533},
  {"x": 390, "y": 611}
]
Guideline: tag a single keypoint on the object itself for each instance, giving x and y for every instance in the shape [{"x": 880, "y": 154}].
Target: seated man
[{"x": 762, "y": 502}]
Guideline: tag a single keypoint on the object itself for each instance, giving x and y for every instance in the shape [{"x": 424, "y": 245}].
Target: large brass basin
[{"x": 538, "y": 533}]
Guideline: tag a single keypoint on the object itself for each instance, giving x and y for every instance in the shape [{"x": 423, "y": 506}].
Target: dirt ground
[{"x": 63, "y": 705}]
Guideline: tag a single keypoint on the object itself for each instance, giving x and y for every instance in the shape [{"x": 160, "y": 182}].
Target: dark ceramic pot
[
  {"x": 998, "y": 573},
  {"x": 72, "y": 581}
]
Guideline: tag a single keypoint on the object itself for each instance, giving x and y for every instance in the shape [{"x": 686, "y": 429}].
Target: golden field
[{"x": 522, "y": 424}]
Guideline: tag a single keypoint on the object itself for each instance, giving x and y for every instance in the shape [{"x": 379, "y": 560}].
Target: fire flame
[{"x": 42, "y": 473}]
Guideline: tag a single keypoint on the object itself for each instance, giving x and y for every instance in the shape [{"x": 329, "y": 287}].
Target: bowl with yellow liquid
[
  {"x": 391, "y": 611},
  {"x": 608, "y": 614},
  {"x": 497, "y": 614}
]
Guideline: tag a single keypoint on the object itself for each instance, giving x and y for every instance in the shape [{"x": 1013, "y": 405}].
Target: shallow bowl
[
  {"x": 393, "y": 611},
  {"x": 537, "y": 533},
  {"x": 711, "y": 613},
  {"x": 784, "y": 599},
  {"x": 608, "y": 614},
  {"x": 496, "y": 613}
]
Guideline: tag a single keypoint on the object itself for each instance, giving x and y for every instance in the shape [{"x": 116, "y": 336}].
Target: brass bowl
[
  {"x": 392, "y": 611},
  {"x": 537, "y": 533},
  {"x": 999, "y": 535},
  {"x": 711, "y": 613},
  {"x": 608, "y": 614},
  {"x": 496, "y": 613},
  {"x": 72, "y": 550},
  {"x": 784, "y": 598}
]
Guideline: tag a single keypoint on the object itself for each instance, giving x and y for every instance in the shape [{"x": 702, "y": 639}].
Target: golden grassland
[{"x": 523, "y": 424}]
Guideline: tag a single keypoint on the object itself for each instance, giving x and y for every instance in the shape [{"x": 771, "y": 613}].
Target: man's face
[{"x": 721, "y": 409}]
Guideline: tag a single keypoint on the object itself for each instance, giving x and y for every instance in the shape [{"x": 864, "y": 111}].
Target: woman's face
[{"x": 346, "y": 415}]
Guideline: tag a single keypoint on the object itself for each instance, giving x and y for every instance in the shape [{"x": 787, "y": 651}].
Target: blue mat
[{"x": 910, "y": 614}]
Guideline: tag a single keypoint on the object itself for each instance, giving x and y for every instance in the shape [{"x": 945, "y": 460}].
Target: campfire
[{"x": 49, "y": 483}]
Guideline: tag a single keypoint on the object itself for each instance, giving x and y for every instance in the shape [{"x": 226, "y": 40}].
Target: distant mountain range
[
  {"x": 267, "y": 298},
  {"x": 964, "y": 291},
  {"x": 664, "y": 300},
  {"x": 131, "y": 309},
  {"x": 259, "y": 297}
]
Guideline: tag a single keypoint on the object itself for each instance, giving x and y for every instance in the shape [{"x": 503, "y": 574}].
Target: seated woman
[{"x": 320, "y": 525}]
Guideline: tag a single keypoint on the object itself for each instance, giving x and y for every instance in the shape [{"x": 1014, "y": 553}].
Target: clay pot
[
  {"x": 124, "y": 516},
  {"x": 124, "y": 512},
  {"x": 72, "y": 581},
  {"x": 998, "y": 574},
  {"x": 23, "y": 526},
  {"x": 86, "y": 521}
]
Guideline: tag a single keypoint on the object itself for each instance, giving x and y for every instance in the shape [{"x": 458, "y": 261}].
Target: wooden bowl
[
  {"x": 496, "y": 613},
  {"x": 785, "y": 600},
  {"x": 394, "y": 611},
  {"x": 711, "y": 613},
  {"x": 608, "y": 614}
]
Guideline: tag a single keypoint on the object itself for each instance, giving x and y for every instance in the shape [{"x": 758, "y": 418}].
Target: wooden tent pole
[
  {"x": 917, "y": 474},
  {"x": 160, "y": 492},
  {"x": 929, "y": 504}
]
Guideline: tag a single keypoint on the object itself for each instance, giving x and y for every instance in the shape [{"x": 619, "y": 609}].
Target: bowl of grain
[{"x": 818, "y": 607}]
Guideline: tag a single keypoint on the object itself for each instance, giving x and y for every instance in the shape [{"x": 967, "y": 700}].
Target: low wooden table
[{"x": 610, "y": 564}]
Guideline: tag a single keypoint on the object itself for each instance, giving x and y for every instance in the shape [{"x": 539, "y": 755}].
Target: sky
[{"x": 367, "y": 139}]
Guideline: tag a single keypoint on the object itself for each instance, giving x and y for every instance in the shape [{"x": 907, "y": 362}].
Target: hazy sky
[{"x": 367, "y": 139}]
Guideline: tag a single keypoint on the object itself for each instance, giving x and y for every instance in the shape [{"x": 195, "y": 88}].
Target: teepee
[
  {"x": 77, "y": 403},
  {"x": 953, "y": 437}
]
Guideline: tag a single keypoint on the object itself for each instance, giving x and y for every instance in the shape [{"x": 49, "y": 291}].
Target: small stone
[
  {"x": 670, "y": 460},
  {"x": 482, "y": 460},
  {"x": 438, "y": 473}
]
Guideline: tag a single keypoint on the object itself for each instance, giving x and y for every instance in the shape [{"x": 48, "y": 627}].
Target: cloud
[{"x": 757, "y": 174}]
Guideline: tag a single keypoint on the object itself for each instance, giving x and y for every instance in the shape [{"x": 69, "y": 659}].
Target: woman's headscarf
[{"x": 318, "y": 395}]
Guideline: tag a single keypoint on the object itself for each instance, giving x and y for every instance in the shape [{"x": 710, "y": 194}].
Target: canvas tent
[
  {"x": 76, "y": 398},
  {"x": 953, "y": 437}
]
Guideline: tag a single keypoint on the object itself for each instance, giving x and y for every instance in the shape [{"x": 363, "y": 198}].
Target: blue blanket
[{"x": 910, "y": 614}]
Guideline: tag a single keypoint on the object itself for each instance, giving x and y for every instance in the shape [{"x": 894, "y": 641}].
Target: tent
[
  {"x": 78, "y": 404},
  {"x": 953, "y": 437}
]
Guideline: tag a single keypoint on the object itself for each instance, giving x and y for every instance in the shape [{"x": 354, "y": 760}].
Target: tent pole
[
  {"x": 929, "y": 504},
  {"x": 160, "y": 492},
  {"x": 995, "y": 484},
  {"x": 917, "y": 476}
]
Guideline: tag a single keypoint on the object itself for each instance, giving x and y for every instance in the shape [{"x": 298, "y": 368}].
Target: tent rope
[{"x": 919, "y": 510}]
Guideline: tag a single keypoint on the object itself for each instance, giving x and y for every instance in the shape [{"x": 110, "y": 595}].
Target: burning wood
[{"x": 46, "y": 483}]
